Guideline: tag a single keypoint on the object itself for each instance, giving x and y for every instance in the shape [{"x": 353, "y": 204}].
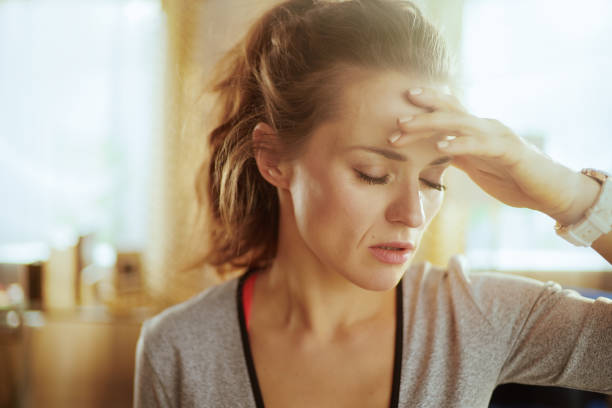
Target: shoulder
[
  {"x": 202, "y": 319},
  {"x": 192, "y": 352},
  {"x": 427, "y": 277},
  {"x": 487, "y": 294},
  {"x": 458, "y": 273}
]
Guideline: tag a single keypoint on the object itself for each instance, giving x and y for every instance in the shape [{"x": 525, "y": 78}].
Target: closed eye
[
  {"x": 435, "y": 186},
  {"x": 372, "y": 180},
  {"x": 385, "y": 179}
]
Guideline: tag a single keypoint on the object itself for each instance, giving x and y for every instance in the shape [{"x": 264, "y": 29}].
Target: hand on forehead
[{"x": 374, "y": 104}]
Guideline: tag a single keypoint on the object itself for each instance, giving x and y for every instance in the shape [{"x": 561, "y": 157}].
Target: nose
[{"x": 407, "y": 206}]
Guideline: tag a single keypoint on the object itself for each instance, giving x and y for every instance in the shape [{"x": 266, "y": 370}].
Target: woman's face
[{"x": 351, "y": 190}]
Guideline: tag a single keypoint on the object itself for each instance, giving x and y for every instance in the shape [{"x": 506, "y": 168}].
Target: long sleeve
[
  {"x": 190, "y": 355},
  {"x": 554, "y": 336},
  {"x": 148, "y": 390}
]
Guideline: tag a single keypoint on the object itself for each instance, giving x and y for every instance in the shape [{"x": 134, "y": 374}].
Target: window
[
  {"x": 80, "y": 110},
  {"x": 542, "y": 68}
]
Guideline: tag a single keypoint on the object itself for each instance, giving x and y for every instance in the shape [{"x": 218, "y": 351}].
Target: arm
[
  {"x": 503, "y": 164},
  {"x": 551, "y": 336},
  {"x": 564, "y": 341},
  {"x": 148, "y": 389}
]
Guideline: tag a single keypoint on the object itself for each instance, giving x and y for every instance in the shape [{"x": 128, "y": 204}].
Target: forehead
[
  {"x": 370, "y": 103},
  {"x": 377, "y": 96}
]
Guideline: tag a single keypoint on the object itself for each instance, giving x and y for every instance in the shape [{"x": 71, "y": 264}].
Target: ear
[{"x": 268, "y": 156}]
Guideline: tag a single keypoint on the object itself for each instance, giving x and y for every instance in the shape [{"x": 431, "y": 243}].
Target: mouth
[
  {"x": 392, "y": 252},
  {"x": 395, "y": 246}
]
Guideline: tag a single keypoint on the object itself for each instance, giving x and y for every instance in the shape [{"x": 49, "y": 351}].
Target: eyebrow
[{"x": 400, "y": 157}]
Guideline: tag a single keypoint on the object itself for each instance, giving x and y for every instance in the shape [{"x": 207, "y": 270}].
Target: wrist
[{"x": 587, "y": 190}]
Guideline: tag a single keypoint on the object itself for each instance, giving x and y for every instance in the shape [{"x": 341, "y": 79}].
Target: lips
[
  {"x": 395, "y": 245},
  {"x": 392, "y": 252}
]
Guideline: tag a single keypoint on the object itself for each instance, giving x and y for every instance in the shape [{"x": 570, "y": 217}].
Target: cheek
[
  {"x": 350, "y": 205},
  {"x": 331, "y": 208},
  {"x": 432, "y": 201}
]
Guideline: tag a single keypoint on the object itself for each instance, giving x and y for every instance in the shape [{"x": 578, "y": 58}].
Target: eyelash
[{"x": 383, "y": 180}]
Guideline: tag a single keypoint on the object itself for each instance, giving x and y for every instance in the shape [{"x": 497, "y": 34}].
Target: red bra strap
[{"x": 247, "y": 297}]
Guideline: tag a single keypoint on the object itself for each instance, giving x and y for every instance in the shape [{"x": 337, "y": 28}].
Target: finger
[
  {"x": 474, "y": 167},
  {"x": 433, "y": 99},
  {"x": 480, "y": 172},
  {"x": 402, "y": 139},
  {"x": 440, "y": 121},
  {"x": 469, "y": 145}
]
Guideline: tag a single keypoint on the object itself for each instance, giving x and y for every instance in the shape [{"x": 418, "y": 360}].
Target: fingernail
[
  {"x": 406, "y": 119},
  {"x": 394, "y": 136},
  {"x": 450, "y": 137},
  {"x": 443, "y": 144},
  {"x": 416, "y": 91}
]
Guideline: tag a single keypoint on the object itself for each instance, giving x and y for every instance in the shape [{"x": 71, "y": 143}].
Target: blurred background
[{"x": 101, "y": 133}]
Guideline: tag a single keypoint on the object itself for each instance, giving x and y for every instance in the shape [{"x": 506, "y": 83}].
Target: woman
[{"x": 335, "y": 129}]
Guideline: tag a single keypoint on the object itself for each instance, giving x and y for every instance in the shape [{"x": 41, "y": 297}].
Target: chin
[{"x": 380, "y": 279}]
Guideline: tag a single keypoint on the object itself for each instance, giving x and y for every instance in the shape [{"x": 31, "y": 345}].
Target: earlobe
[
  {"x": 276, "y": 177},
  {"x": 266, "y": 152},
  {"x": 274, "y": 172}
]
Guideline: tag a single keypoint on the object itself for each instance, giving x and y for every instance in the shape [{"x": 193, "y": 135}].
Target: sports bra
[{"x": 247, "y": 297}]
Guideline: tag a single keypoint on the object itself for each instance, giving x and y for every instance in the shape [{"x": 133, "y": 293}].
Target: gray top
[{"x": 464, "y": 333}]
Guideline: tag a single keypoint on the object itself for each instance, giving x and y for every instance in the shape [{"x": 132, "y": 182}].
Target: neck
[{"x": 311, "y": 299}]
